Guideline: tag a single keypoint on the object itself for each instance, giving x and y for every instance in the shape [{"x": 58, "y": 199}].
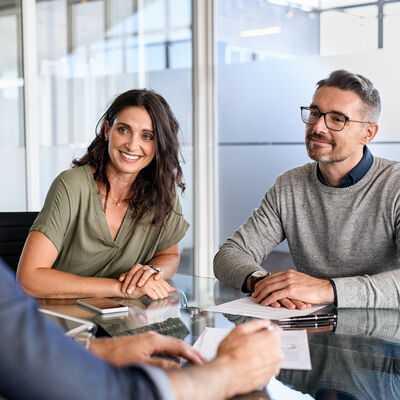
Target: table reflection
[
  {"x": 359, "y": 360},
  {"x": 162, "y": 316}
]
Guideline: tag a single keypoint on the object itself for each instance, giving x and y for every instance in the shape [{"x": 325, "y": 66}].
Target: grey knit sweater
[{"x": 349, "y": 234}]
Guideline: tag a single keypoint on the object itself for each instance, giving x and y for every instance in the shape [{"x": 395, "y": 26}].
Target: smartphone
[{"x": 103, "y": 305}]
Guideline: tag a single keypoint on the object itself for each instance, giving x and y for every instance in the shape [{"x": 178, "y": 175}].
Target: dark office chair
[{"x": 14, "y": 228}]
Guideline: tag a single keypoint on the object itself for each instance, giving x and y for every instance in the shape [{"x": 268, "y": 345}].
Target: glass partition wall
[
  {"x": 270, "y": 54},
  {"x": 12, "y": 147},
  {"x": 86, "y": 53}
]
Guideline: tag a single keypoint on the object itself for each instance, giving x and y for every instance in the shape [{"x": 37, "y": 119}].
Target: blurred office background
[{"x": 234, "y": 71}]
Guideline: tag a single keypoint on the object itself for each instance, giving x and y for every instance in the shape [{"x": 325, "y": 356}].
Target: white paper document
[
  {"x": 249, "y": 308},
  {"x": 294, "y": 346},
  {"x": 277, "y": 391}
]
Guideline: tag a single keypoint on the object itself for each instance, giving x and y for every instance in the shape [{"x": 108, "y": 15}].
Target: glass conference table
[{"x": 359, "y": 360}]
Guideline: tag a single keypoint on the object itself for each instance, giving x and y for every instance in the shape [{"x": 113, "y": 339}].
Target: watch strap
[{"x": 255, "y": 279}]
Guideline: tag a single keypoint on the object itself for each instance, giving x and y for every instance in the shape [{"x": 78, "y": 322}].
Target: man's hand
[
  {"x": 247, "y": 359},
  {"x": 291, "y": 304},
  {"x": 252, "y": 353},
  {"x": 122, "y": 351},
  {"x": 293, "y": 290}
]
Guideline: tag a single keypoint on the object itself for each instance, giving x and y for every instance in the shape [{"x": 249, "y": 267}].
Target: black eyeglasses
[{"x": 333, "y": 120}]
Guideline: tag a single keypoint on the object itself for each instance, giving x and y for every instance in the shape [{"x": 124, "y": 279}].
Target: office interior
[{"x": 235, "y": 73}]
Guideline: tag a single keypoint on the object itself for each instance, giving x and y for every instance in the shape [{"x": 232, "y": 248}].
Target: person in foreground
[
  {"x": 339, "y": 214},
  {"x": 39, "y": 362},
  {"x": 110, "y": 226}
]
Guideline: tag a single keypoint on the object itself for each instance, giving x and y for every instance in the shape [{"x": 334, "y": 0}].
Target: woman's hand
[
  {"x": 137, "y": 276},
  {"x": 155, "y": 289}
]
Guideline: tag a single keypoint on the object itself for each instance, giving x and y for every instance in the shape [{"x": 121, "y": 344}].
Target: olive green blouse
[{"x": 73, "y": 219}]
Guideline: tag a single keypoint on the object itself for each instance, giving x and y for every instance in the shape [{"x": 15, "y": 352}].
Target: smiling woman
[
  {"x": 131, "y": 142},
  {"x": 111, "y": 225}
]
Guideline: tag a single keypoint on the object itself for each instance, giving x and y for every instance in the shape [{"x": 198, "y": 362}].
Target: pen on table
[
  {"x": 308, "y": 324},
  {"x": 315, "y": 317}
]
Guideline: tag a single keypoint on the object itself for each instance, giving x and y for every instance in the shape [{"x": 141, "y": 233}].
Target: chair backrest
[{"x": 14, "y": 228}]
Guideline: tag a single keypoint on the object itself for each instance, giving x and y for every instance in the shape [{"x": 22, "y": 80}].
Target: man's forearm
[
  {"x": 211, "y": 381},
  {"x": 232, "y": 265},
  {"x": 369, "y": 291}
]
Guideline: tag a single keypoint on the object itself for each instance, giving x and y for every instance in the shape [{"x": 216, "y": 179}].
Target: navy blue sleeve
[
  {"x": 334, "y": 291},
  {"x": 37, "y": 361}
]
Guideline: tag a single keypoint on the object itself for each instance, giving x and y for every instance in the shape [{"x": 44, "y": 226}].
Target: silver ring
[{"x": 153, "y": 267}]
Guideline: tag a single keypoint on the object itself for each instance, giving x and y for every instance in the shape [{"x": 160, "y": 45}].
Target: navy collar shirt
[{"x": 356, "y": 174}]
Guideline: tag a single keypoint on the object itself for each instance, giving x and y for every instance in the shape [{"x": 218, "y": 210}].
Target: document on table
[
  {"x": 249, "y": 308},
  {"x": 277, "y": 391},
  {"x": 294, "y": 346}
]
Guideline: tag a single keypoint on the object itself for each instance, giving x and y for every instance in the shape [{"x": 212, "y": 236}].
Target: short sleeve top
[{"x": 74, "y": 221}]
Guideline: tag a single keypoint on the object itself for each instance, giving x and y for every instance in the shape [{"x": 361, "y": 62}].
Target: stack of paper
[
  {"x": 294, "y": 346},
  {"x": 249, "y": 308}
]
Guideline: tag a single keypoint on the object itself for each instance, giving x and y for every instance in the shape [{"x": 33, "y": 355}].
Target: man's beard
[{"x": 329, "y": 158}]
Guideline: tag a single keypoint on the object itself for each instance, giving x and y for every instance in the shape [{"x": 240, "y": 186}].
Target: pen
[
  {"x": 315, "y": 317},
  {"x": 308, "y": 325}
]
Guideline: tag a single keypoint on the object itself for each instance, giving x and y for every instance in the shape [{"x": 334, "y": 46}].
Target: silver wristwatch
[{"x": 255, "y": 277}]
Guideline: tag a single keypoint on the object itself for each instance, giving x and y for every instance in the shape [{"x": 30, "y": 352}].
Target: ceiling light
[
  {"x": 289, "y": 13},
  {"x": 261, "y": 32},
  {"x": 279, "y": 2}
]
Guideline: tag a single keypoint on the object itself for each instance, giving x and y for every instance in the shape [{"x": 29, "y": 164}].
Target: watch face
[{"x": 259, "y": 274}]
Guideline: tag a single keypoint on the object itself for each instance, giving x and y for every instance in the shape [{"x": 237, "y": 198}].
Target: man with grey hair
[{"x": 339, "y": 214}]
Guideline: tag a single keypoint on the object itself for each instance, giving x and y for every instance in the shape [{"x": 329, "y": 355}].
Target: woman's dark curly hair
[{"x": 155, "y": 186}]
